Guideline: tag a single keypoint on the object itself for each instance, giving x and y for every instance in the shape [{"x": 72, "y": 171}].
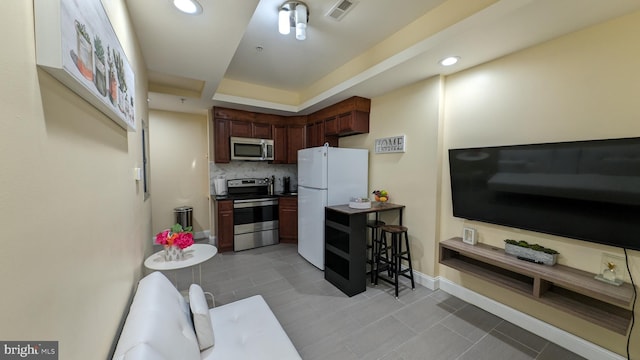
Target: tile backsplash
[{"x": 253, "y": 169}]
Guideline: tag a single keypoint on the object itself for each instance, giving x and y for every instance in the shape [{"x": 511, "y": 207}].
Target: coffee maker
[{"x": 286, "y": 184}]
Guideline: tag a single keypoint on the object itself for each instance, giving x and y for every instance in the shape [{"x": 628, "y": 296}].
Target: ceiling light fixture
[
  {"x": 191, "y": 7},
  {"x": 293, "y": 14},
  {"x": 451, "y": 60}
]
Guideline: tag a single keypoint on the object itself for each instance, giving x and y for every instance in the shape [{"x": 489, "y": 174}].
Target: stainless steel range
[{"x": 255, "y": 213}]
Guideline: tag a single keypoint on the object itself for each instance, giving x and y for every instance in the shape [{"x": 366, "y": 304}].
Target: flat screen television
[{"x": 586, "y": 190}]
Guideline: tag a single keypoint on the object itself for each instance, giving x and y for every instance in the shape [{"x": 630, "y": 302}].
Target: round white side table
[{"x": 195, "y": 254}]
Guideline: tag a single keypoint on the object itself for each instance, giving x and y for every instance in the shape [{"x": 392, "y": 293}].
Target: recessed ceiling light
[
  {"x": 191, "y": 7},
  {"x": 451, "y": 60}
]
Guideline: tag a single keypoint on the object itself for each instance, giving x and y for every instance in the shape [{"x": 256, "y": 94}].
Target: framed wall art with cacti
[{"x": 76, "y": 43}]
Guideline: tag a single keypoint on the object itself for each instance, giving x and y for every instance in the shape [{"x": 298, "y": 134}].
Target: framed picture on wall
[
  {"x": 469, "y": 236},
  {"x": 77, "y": 45}
]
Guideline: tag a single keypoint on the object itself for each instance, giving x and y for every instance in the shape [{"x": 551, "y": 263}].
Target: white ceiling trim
[{"x": 485, "y": 16}]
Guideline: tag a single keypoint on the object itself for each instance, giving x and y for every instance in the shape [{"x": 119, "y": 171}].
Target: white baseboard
[
  {"x": 547, "y": 331},
  {"x": 201, "y": 234}
]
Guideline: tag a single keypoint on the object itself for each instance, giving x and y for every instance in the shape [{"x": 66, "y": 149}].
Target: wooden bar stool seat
[{"x": 393, "y": 264}]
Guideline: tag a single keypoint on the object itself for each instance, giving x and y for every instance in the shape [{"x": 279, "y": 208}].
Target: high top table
[{"x": 345, "y": 241}]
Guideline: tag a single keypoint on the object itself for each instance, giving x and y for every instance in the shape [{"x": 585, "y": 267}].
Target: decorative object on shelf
[
  {"x": 174, "y": 241},
  {"x": 610, "y": 272},
  {"x": 469, "y": 236},
  {"x": 381, "y": 195},
  {"x": 531, "y": 252},
  {"x": 360, "y": 203}
]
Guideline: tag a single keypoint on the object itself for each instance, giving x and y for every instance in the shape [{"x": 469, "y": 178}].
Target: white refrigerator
[{"x": 326, "y": 176}]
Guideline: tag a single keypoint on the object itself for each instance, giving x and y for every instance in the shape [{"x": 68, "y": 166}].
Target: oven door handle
[{"x": 253, "y": 203}]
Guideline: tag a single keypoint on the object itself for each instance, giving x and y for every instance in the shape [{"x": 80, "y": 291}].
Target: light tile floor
[{"x": 323, "y": 323}]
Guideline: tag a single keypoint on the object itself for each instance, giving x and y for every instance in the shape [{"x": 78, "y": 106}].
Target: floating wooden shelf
[{"x": 571, "y": 290}]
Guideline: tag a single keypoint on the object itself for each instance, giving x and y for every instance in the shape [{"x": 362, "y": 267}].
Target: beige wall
[
  {"x": 411, "y": 178},
  {"x": 581, "y": 86},
  {"x": 73, "y": 218},
  {"x": 566, "y": 89},
  {"x": 179, "y": 168}
]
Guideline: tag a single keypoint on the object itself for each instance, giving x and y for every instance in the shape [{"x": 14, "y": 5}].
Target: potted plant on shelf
[
  {"x": 174, "y": 241},
  {"x": 531, "y": 252}
]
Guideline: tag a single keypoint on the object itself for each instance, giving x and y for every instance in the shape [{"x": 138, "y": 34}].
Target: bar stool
[
  {"x": 374, "y": 225},
  {"x": 393, "y": 265}
]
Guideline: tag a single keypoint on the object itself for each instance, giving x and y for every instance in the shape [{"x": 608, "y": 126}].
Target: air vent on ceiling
[{"x": 340, "y": 9}]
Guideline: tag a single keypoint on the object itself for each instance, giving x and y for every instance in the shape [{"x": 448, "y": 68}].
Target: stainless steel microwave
[{"x": 251, "y": 149}]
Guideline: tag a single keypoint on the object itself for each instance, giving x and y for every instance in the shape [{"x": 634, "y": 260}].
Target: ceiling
[{"x": 232, "y": 54}]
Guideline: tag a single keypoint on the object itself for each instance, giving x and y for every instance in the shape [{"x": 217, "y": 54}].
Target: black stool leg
[
  {"x": 374, "y": 240},
  {"x": 380, "y": 247},
  {"x": 406, "y": 238},
  {"x": 396, "y": 254}
]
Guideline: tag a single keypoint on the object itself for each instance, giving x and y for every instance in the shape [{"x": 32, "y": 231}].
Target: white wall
[{"x": 73, "y": 218}]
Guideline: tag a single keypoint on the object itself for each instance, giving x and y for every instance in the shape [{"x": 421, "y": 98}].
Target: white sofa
[{"x": 160, "y": 326}]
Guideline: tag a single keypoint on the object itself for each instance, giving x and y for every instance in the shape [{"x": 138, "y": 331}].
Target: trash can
[{"x": 184, "y": 215}]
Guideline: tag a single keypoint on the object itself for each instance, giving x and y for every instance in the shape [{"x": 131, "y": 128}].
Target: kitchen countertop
[{"x": 240, "y": 197}]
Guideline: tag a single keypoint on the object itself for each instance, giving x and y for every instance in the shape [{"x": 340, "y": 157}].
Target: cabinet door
[
  {"x": 288, "y": 218},
  {"x": 224, "y": 225},
  {"x": 280, "y": 150},
  {"x": 295, "y": 142},
  {"x": 311, "y": 134},
  {"x": 315, "y": 134},
  {"x": 353, "y": 122},
  {"x": 261, "y": 131},
  {"x": 240, "y": 128},
  {"x": 221, "y": 144},
  {"x": 331, "y": 126}
]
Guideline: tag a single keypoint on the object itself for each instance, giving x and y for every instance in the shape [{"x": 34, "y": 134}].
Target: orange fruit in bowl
[{"x": 377, "y": 198}]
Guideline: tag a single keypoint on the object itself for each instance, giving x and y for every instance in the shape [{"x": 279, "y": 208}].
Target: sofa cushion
[
  {"x": 247, "y": 329},
  {"x": 201, "y": 317},
  {"x": 159, "y": 322}
]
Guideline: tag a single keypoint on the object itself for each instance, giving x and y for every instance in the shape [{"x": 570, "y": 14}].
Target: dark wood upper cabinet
[
  {"x": 290, "y": 133},
  {"x": 353, "y": 122},
  {"x": 296, "y": 136},
  {"x": 221, "y": 143},
  {"x": 280, "y": 151},
  {"x": 331, "y": 126},
  {"x": 233, "y": 114},
  {"x": 241, "y": 128},
  {"x": 262, "y": 131}
]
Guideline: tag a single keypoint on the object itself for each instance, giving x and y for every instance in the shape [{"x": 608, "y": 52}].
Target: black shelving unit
[{"x": 345, "y": 250}]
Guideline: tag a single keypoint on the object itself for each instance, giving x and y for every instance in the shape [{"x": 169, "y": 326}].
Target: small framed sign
[
  {"x": 392, "y": 144},
  {"x": 469, "y": 236}
]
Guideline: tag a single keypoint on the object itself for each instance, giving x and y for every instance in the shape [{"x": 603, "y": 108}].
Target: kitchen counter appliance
[{"x": 255, "y": 213}]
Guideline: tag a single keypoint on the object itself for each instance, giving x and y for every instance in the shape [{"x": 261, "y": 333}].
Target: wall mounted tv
[{"x": 587, "y": 190}]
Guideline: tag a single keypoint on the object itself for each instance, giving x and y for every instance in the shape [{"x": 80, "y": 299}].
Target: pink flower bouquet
[{"x": 182, "y": 238}]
